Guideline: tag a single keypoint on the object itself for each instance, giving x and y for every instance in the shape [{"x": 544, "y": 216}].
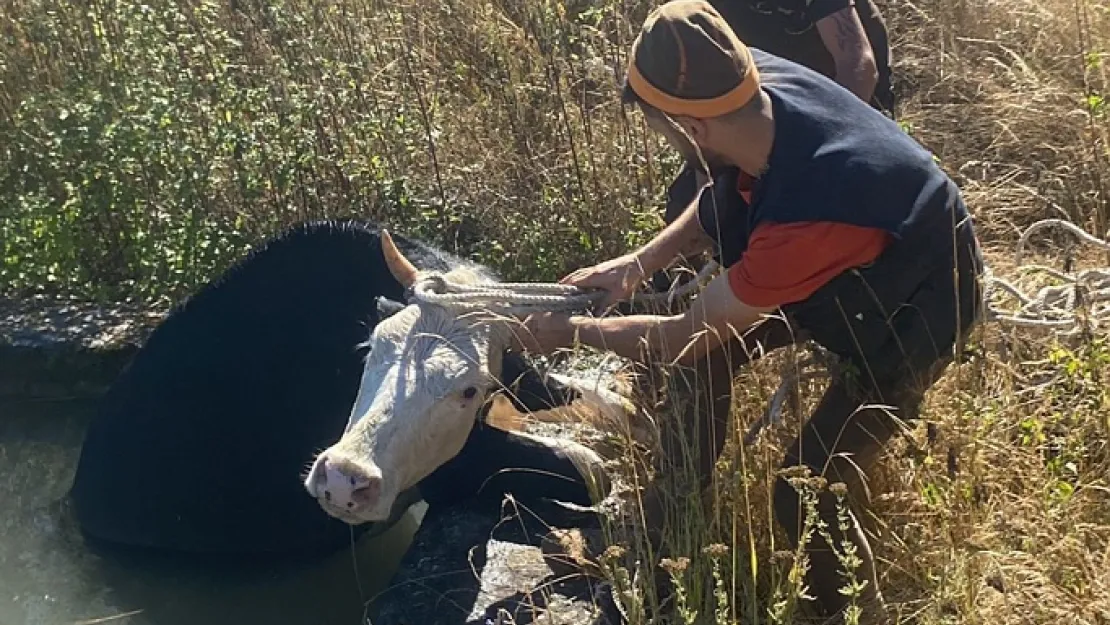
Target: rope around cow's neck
[{"x": 515, "y": 298}]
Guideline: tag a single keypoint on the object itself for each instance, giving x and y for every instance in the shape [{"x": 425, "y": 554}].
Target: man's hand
[{"x": 619, "y": 276}]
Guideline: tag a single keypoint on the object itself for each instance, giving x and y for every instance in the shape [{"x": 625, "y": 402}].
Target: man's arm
[
  {"x": 715, "y": 317},
  {"x": 682, "y": 237},
  {"x": 847, "y": 41},
  {"x": 620, "y": 276}
]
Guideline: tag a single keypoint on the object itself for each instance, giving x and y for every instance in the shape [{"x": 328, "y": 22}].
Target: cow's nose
[{"x": 344, "y": 484}]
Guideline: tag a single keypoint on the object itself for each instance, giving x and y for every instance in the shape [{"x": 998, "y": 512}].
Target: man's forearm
[
  {"x": 712, "y": 320},
  {"x": 859, "y": 78},
  {"x": 844, "y": 36},
  {"x": 683, "y": 237},
  {"x": 636, "y": 337}
]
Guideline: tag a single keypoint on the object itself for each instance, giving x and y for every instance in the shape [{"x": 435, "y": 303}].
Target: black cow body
[{"x": 201, "y": 444}]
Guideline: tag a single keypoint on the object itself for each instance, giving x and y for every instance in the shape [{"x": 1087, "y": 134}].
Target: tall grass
[
  {"x": 994, "y": 507},
  {"x": 144, "y": 146}
]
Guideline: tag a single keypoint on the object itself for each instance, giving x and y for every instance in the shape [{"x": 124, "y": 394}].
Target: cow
[
  {"x": 200, "y": 445},
  {"x": 428, "y": 373}
]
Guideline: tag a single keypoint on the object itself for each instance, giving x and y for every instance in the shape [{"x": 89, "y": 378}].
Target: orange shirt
[{"x": 788, "y": 262}]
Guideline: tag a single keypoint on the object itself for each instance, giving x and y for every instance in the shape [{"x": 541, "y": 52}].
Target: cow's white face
[{"x": 427, "y": 375}]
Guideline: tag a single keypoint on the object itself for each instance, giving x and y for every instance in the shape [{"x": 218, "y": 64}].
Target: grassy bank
[{"x": 143, "y": 147}]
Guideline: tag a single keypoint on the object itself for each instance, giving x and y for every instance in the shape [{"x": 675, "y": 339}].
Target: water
[{"x": 49, "y": 577}]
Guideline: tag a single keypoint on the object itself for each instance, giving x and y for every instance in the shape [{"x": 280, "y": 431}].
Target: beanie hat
[{"x": 688, "y": 61}]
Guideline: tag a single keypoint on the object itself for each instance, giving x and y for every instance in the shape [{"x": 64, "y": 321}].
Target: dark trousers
[{"x": 864, "y": 407}]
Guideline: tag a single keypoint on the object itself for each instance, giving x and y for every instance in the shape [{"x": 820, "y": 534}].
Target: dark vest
[{"x": 837, "y": 159}]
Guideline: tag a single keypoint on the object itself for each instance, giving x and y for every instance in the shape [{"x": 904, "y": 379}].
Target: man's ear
[{"x": 695, "y": 129}]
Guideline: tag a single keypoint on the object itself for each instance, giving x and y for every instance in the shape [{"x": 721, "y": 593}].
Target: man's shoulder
[
  {"x": 835, "y": 156},
  {"x": 808, "y": 98},
  {"x": 777, "y": 71}
]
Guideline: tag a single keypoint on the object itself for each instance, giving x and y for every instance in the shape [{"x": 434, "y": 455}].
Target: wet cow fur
[{"x": 200, "y": 445}]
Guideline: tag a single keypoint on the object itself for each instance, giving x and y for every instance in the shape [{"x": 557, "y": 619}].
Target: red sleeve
[{"x": 786, "y": 263}]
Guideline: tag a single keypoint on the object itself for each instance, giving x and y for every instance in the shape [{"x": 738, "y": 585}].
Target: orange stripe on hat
[
  {"x": 701, "y": 108},
  {"x": 714, "y": 28}
]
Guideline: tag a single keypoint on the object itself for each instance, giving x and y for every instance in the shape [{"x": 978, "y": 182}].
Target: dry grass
[
  {"x": 500, "y": 119},
  {"x": 1002, "y": 515}
]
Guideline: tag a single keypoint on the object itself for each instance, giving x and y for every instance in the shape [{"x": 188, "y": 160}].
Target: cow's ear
[{"x": 388, "y": 307}]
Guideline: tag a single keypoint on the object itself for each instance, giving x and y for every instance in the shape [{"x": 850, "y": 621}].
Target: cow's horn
[{"x": 399, "y": 266}]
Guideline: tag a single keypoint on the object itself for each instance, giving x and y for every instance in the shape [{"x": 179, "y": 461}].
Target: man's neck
[{"x": 755, "y": 136}]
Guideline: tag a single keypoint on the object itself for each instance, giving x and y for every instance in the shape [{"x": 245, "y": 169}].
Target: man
[
  {"x": 845, "y": 40},
  {"x": 838, "y": 223}
]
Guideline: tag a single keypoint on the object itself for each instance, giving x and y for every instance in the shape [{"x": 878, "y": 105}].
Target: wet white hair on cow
[{"x": 426, "y": 377}]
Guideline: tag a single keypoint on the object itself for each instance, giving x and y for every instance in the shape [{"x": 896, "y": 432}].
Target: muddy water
[{"x": 48, "y": 576}]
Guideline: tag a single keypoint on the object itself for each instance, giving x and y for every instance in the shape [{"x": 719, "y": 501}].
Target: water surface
[{"x": 49, "y": 576}]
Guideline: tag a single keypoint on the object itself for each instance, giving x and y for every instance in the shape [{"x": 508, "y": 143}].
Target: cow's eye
[{"x": 470, "y": 392}]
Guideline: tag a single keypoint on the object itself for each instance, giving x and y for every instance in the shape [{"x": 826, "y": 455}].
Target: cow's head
[{"x": 428, "y": 373}]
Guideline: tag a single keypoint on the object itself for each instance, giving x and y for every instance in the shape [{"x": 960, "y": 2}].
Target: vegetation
[
  {"x": 147, "y": 144},
  {"x": 144, "y": 146}
]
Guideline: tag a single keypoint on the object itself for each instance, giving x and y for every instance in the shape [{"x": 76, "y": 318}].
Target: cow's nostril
[
  {"x": 346, "y": 484},
  {"x": 367, "y": 493}
]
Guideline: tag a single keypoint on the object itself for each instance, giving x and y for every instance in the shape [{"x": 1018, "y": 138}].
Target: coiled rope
[{"x": 1059, "y": 307}]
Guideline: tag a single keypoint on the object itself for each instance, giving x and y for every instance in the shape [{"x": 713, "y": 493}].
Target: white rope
[
  {"x": 1069, "y": 308},
  {"x": 514, "y": 298},
  {"x": 1051, "y": 307},
  {"x": 671, "y": 295}
]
